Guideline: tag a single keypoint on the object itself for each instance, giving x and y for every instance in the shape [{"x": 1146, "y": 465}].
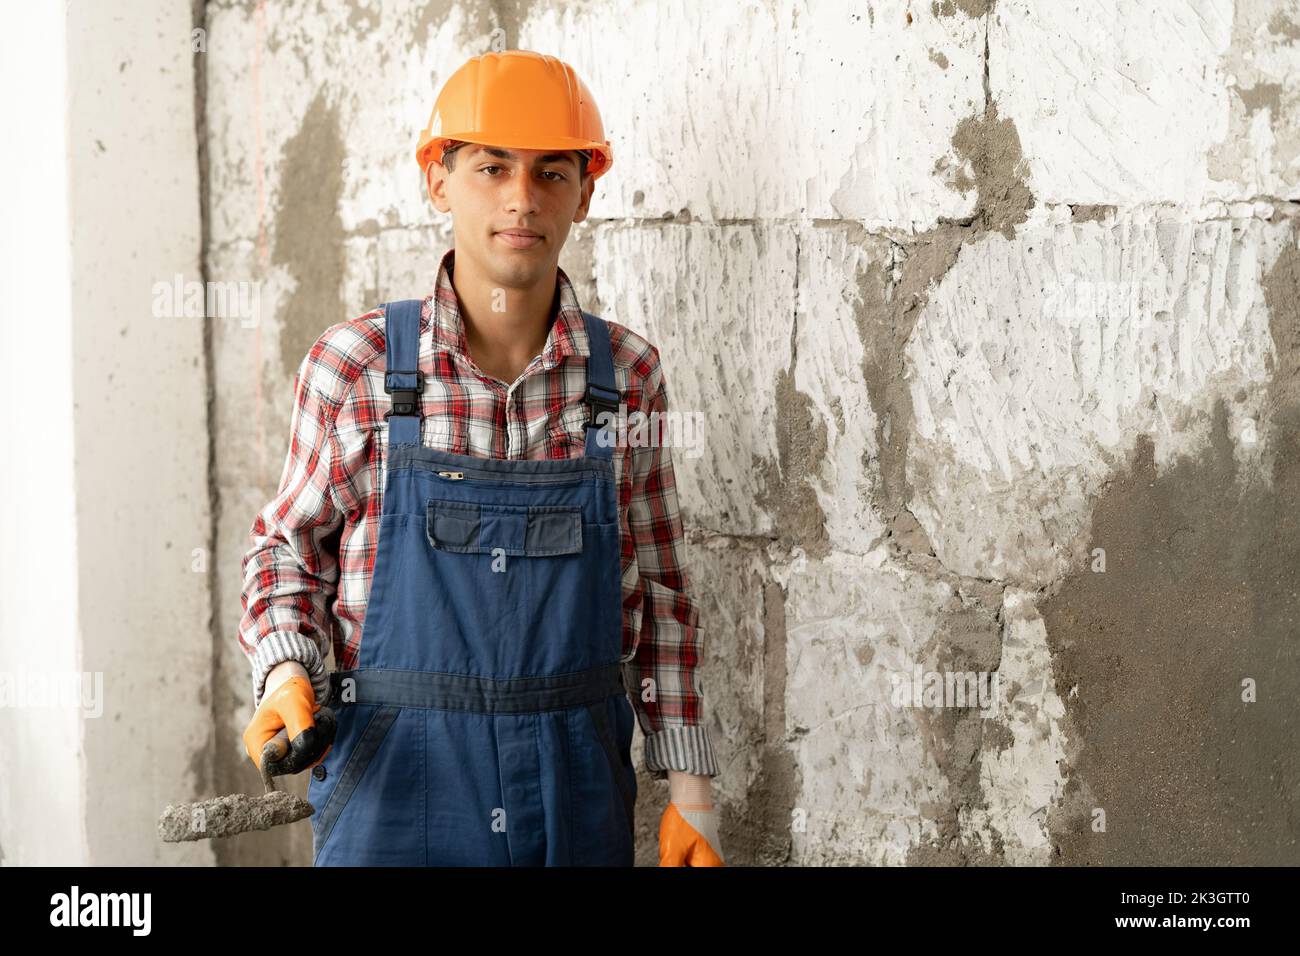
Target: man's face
[{"x": 511, "y": 209}]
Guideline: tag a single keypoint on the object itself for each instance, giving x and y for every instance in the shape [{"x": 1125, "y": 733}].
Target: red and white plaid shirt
[{"x": 316, "y": 538}]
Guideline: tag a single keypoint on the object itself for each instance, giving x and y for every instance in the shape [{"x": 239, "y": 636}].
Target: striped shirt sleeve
[
  {"x": 291, "y": 571},
  {"x": 666, "y": 688}
]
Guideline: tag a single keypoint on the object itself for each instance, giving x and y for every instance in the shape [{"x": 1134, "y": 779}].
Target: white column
[{"x": 104, "y": 482}]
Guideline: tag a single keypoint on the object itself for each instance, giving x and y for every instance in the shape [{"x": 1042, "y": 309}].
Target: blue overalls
[{"x": 486, "y": 722}]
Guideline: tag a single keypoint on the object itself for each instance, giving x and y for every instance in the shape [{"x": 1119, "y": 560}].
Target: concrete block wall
[{"x": 991, "y": 308}]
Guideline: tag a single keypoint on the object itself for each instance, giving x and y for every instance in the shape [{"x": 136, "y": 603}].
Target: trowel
[{"x": 239, "y": 812}]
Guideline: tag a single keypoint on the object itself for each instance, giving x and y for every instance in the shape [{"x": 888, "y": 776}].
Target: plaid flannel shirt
[{"x": 315, "y": 541}]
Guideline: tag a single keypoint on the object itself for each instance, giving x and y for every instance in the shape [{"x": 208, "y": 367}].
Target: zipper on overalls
[{"x": 493, "y": 476}]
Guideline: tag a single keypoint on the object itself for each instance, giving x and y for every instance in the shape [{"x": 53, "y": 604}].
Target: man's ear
[
  {"x": 435, "y": 182},
  {"x": 588, "y": 187}
]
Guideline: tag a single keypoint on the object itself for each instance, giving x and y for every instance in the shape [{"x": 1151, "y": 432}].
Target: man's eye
[{"x": 559, "y": 176}]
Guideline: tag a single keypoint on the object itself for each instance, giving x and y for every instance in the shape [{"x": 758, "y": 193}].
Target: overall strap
[
  {"x": 601, "y": 393},
  {"x": 403, "y": 378}
]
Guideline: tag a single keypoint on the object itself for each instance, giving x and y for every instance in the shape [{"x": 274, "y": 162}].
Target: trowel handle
[
  {"x": 279, "y": 757},
  {"x": 276, "y": 748}
]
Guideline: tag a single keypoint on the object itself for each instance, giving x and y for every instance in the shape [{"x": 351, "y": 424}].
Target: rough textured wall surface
[{"x": 992, "y": 311}]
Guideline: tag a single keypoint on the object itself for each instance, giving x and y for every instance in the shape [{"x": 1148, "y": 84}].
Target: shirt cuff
[
  {"x": 284, "y": 646},
  {"x": 686, "y": 748}
]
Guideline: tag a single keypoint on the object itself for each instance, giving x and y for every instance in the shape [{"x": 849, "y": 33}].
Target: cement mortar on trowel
[{"x": 228, "y": 815}]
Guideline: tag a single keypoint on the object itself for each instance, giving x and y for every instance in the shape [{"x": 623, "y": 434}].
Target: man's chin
[
  {"x": 523, "y": 269},
  {"x": 505, "y": 267}
]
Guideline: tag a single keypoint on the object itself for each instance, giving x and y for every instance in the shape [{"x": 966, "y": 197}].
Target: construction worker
[{"x": 453, "y": 480}]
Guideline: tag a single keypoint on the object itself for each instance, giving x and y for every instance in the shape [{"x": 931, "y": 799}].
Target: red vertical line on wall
[{"x": 259, "y": 16}]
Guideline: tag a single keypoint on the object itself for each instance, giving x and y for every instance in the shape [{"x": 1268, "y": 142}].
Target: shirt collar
[{"x": 568, "y": 334}]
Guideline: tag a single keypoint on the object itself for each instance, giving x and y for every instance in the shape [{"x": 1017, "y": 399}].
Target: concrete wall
[
  {"x": 968, "y": 290},
  {"x": 991, "y": 306}
]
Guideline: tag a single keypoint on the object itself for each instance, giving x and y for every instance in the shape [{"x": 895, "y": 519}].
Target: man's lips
[{"x": 519, "y": 238}]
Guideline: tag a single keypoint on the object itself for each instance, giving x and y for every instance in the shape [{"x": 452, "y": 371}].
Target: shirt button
[{"x": 318, "y": 771}]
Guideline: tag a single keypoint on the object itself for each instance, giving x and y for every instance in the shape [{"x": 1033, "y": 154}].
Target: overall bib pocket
[{"x": 519, "y": 530}]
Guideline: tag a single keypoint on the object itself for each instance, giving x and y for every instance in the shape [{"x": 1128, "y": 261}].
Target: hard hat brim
[{"x": 601, "y": 153}]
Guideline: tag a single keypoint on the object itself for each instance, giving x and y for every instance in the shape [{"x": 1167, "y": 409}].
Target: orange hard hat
[{"x": 516, "y": 98}]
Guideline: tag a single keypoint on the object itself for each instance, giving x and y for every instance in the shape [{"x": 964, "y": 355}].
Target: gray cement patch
[
  {"x": 1200, "y": 593},
  {"x": 309, "y": 232}
]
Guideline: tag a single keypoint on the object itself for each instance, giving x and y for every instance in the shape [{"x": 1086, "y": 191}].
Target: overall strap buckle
[
  {"x": 601, "y": 399},
  {"x": 406, "y": 399}
]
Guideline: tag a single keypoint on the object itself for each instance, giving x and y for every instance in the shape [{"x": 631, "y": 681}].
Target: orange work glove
[
  {"x": 288, "y": 707},
  {"x": 688, "y": 836}
]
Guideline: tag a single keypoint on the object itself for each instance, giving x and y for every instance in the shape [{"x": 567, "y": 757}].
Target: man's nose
[{"x": 521, "y": 193}]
